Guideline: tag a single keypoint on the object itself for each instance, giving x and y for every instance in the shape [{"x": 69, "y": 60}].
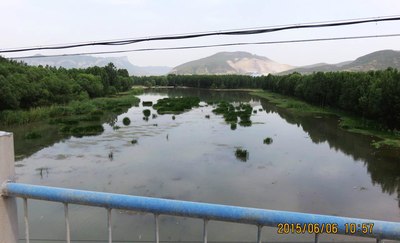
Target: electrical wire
[
  {"x": 205, "y": 34},
  {"x": 209, "y": 46}
]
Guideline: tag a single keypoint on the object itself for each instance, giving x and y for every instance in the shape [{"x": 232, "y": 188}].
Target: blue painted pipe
[{"x": 262, "y": 217}]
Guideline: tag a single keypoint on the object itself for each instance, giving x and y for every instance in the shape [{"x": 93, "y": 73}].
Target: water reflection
[
  {"x": 43, "y": 172},
  {"x": 382, "y": 164}
]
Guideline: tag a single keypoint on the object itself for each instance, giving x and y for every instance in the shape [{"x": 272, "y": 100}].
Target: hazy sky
[{"x": 41, "y": 22}]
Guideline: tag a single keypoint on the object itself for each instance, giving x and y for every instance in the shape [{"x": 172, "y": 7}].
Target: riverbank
[
  {"x": 346, "y": 121},
  {"x": 82, "y": 107}
]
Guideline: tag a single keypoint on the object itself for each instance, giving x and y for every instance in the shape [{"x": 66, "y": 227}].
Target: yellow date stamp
[
  {"x": 310, "y": 228},
  {"x": 326, "y": 228}
]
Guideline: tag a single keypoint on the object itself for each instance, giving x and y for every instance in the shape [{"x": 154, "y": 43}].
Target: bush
[
  {"x": 242, "y": 154},
  {"x": 126, "y": 121},
  {"x": 268, "y": 140},
  {"x": 146, "y": 112}
]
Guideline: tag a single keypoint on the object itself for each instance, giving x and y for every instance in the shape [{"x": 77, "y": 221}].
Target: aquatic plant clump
[
  {"x": 242, "y": 154},
  {"x": 176, "y": 105},
  {"x": 81, "y": 131},
  {"x": 126, "y": 121},
  {"x": 268, "y": 140},
  {"x": 146, "y": 112},
  {"x": 231, "y": 113},
  {"x": 147, "y": 103}
]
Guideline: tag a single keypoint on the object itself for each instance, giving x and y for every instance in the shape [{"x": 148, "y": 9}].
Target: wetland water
[{"x": 312, "y": 166}]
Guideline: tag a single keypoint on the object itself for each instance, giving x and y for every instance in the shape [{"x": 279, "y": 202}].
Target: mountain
[
  {"x": 374, "y": 61},
  {"x": 231, "y": 63},
  {"x": 88, "y": 61}
]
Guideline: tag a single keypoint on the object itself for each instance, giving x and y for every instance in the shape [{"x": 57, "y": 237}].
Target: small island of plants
[
  {"x": 231, "y": 113},
  {"x": 176, "y": 105},
  {"x": 242, "y": 154}
]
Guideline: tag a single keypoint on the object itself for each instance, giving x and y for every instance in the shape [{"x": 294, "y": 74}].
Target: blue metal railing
[{"x": 258, "y": 217}]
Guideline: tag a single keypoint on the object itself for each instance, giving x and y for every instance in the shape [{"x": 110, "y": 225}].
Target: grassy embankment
[
  {"x": 75, "y": 118},
  {"x": 347, "y": 121}
]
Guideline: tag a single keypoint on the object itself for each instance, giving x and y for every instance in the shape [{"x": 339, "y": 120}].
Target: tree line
[
  {"x": 373, "y": 95},
  {"x": 23, "y": 86}
]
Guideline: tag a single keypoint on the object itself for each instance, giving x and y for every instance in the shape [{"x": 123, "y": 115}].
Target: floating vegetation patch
[
  {"x": 176, "y": 105},
  {"x": 233, "y": 126},
  {"x": 126, "y": 121},
  {"x": 32, "y": 135},
  {"x": 242, "y": 154},
  {"x": 146, "y": 112},
  {"x": 245, "y": 123},
  {"x": 231, "y": 113},
  {"x": 81, "y": 131},
  {"x": 147, "y": 103},
  {"x": 268, "y": 140}
]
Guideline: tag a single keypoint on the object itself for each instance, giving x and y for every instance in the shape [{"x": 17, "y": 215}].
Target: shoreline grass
[
  {"x": 347, "y": 122},
  {"x": 85, "y": 107}
]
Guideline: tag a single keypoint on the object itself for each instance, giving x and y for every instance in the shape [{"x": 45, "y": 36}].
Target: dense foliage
[
  {"x": 24, "y": 86},
  {"x": 176, "y": 105},
  {"x": 373, "y": 95}
]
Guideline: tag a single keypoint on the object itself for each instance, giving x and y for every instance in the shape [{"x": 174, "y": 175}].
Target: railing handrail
[{"x": 207, "y": 211}]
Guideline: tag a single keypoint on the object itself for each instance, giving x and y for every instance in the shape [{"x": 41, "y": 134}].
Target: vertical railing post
[{"x": 8, "y": 205}]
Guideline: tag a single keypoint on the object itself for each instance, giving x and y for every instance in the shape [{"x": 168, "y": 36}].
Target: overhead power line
[
  {"x": 205, "y": 34},
  {"x": 215, "y": 45}
]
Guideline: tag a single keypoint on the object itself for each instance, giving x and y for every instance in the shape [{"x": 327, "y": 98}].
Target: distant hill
[
  {"x": 88, "y": 61},
  {"x": 374, "y": 61},
  {"x": 231, "y": 63}
]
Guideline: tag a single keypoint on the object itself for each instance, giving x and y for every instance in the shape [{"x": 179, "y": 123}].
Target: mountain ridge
[
  {"x": 238, "y": 62},
  {"x": 377, "y": 60},
  {"x": 231, "y": 63},
  {"x": 85, "y": 61}
]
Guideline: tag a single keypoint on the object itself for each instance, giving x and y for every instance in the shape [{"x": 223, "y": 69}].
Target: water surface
[{"x": 312, "y": 166}]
